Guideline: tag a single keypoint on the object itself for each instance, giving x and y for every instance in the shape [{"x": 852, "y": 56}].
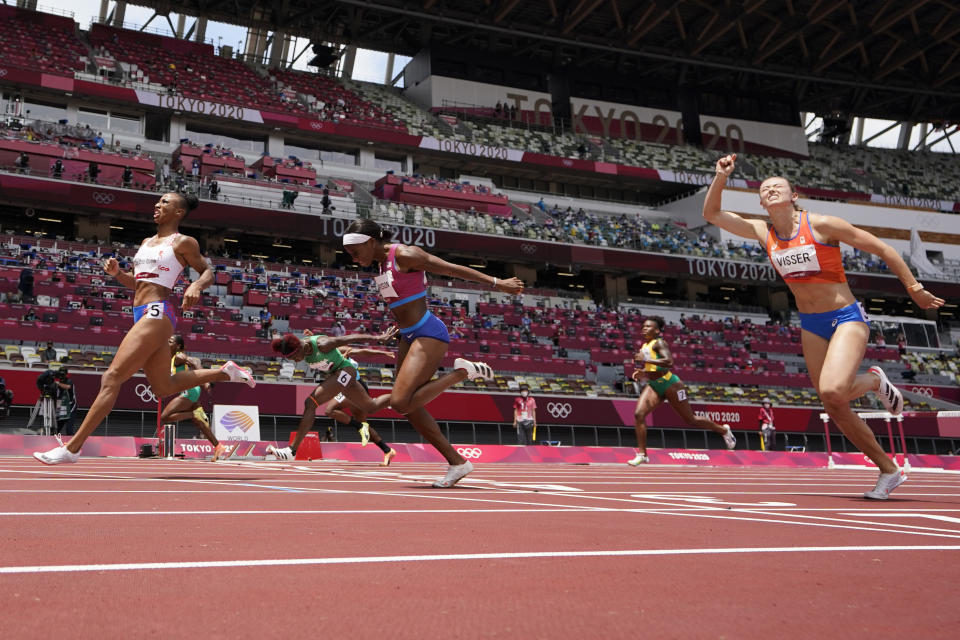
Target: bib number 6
[{"x": 344, "y": 378}]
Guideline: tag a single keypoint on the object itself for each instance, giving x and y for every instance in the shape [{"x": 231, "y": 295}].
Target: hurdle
[{"x": 887, "y": 417}]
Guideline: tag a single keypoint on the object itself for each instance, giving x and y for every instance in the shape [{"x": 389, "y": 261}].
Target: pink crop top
[{"x": 396, "y": 287}]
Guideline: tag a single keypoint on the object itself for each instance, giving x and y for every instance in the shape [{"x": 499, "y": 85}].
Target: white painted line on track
[{"x": 287, "y": 562}]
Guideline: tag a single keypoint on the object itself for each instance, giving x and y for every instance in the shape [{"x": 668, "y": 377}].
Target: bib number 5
[{"x": 154, "y": 310}]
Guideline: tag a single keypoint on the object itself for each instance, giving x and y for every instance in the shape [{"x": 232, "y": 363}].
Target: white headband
[{"x": 355, "y": 238}]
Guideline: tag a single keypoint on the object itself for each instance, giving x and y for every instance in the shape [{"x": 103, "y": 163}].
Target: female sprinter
[
  {"x": 804, "y": 248},
  {"x": 662, "y": 384},
  {"x": 343, "y": 378},
  {"x": 186, "y": 406},
  {"x": 156, "y": 266},
  {"x": 402, "y": 285}
]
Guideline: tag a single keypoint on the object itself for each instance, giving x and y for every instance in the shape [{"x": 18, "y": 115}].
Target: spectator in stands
[
  {"x": 157, "y": 266},
  {"x": 288, "y": 198},
  {"x": 901, "y": 344},
  {"x": 880, "y": 341},
  {"x": 401, "y": 284},
  {"x": 93, "y": 170},
  {"x": 66, "y": 401},
  {"x": 127, "y": 176},
  {"x": 25, "y": 285},
  {"x": 57, "y": 169},
  {"x": 195, "y": 168},
  {"x": 165, "y": 173},
  {"x": 98, "y": 141},
  {"x": 805, "y": 250},
  {"x": 768, "y": 432},
  {"x": 325, "y": 201},
  {"x": 525, "y": 417},
  {"x": 266, "y": 320},
  {"x": 48, "y": 354},
  {"x": 22, "y": 162},
  {"x": 214, "y": 190}
]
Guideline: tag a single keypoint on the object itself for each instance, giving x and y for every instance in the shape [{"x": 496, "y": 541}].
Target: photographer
[
  {"x": 66, "y": 400},
  {"x": 6, "y": 399}
]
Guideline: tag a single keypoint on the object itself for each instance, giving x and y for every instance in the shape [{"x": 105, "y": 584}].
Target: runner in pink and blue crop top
[{"x": 402, "y": 284}]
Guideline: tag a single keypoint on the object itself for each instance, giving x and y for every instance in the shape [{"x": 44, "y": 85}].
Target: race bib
[
  {"x": 385, "y": 285},
  {"x": 153, "y": 310},
  {"x": 344, "y": 378},
  {"x": 796, "y": 262}
]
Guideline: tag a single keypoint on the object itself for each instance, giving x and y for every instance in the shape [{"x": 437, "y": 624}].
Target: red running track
[{"x": 112, "y": 548}]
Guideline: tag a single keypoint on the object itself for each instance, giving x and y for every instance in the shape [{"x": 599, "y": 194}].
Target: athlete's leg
[
  {"x": 413, "y": 387},
  {"x": 833, "y": 370},
  {"x": 676, "y": 395},
  {"x": 322, "y": 393},
  {"x": 647, "y": 402},
  {"x": 157, "y": 370},
  {"x": 179, "y": 408},
  {"x": 416, "y": 364},
  {"x": 145, "y": 340}
]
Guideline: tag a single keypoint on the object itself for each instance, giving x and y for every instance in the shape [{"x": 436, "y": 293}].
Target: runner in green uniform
[
  {"x": 322, "y": 353},
  {"x": 186, "y": 406},
  {"x": 654, "y": 363}
]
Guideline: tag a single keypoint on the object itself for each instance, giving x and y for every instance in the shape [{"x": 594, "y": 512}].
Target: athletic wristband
[
  {"x": 916, "y": 286},
  {"x": 494, "y": 282}
]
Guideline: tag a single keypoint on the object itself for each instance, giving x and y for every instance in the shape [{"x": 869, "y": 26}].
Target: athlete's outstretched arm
[
  {"x": 727, "y": 220},
  {"x": 839, "y": 230},
  {"x": 329, "y": 343},
  {"x": 416, "y": 259}
]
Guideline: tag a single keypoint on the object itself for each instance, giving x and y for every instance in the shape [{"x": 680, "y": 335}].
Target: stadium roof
[{"x": 892, "y": 59}]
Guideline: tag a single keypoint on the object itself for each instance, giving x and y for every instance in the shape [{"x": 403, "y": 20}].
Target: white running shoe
[
  {"x": 238, "y": 373},
  {"x": 889, "y": 395},
  {"x": 283, "y": 453},
  {"x": 886, "y": 483},
  {"x": 639, "y": 460},
  {"x": 474, "y": 369},
  {"x": 364, "y": 434},
  {"x": 58, "y": 455},
  {"x": 729, "y": 438},
  {"x": 455, "y": 473}
]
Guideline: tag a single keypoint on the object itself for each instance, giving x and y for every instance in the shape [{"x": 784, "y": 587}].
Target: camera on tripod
[{"x": 47, "y": 382}]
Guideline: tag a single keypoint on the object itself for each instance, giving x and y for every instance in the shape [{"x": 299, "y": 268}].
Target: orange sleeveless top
[{"x": 803, "y": 259}]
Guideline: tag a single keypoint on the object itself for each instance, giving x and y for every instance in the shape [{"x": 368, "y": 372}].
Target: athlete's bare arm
[
  {"x": 727, "y": 220},
  {"x": 416, "y": 259}
]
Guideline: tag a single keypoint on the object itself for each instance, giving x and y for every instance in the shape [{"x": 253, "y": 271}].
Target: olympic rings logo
[
  {"x": 102, "y": 198},
  {"x": 926, "y": 392},
  {"x": 559, "y": 409},
  {"x": 470, "y": 452},
  {"x": 528, "y": 249},
  {"x": 316, "y": 124},
  {"x": 145, "y": 393}
]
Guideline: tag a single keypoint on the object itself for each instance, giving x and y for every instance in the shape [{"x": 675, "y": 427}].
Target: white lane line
[{"x": 287, "y": 562}]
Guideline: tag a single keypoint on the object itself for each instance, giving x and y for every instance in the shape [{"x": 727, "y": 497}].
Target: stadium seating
[{"x": 40, "y": 41}]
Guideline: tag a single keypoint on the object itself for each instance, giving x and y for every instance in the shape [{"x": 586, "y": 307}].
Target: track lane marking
[{"x": 219, "y": 564}]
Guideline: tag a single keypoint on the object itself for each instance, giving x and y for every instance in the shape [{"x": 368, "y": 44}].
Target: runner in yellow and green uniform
[
  {"x": 186, "y": 406},
  {"x": 655, "y": 365}
]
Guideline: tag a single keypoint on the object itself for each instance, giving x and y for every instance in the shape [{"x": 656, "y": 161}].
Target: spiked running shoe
[
  {"x": 889, "y": 395},
  {"x": 639, "y": 460},
  {"x": 201, "y": 416},
  {"x": 455, "y": 473},
  {"x": 283, "y": 453},
  {"x": 364, "y": 434},
  {"x": 238, "y": 373},
  {"x": 57, "y": 455},
  {"x": 886, "y": 483},
  {"x": 474, "y": 369},
  {"x": 387, "y": 457},
  {"x": 729, "y": 438}
]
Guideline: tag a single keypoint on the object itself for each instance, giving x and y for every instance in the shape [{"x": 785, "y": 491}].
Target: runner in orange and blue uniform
[
  {"x": 804, "y": 248},
  {"x": 663, "y": 384},
  {"x": 402, "y": 285}
]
